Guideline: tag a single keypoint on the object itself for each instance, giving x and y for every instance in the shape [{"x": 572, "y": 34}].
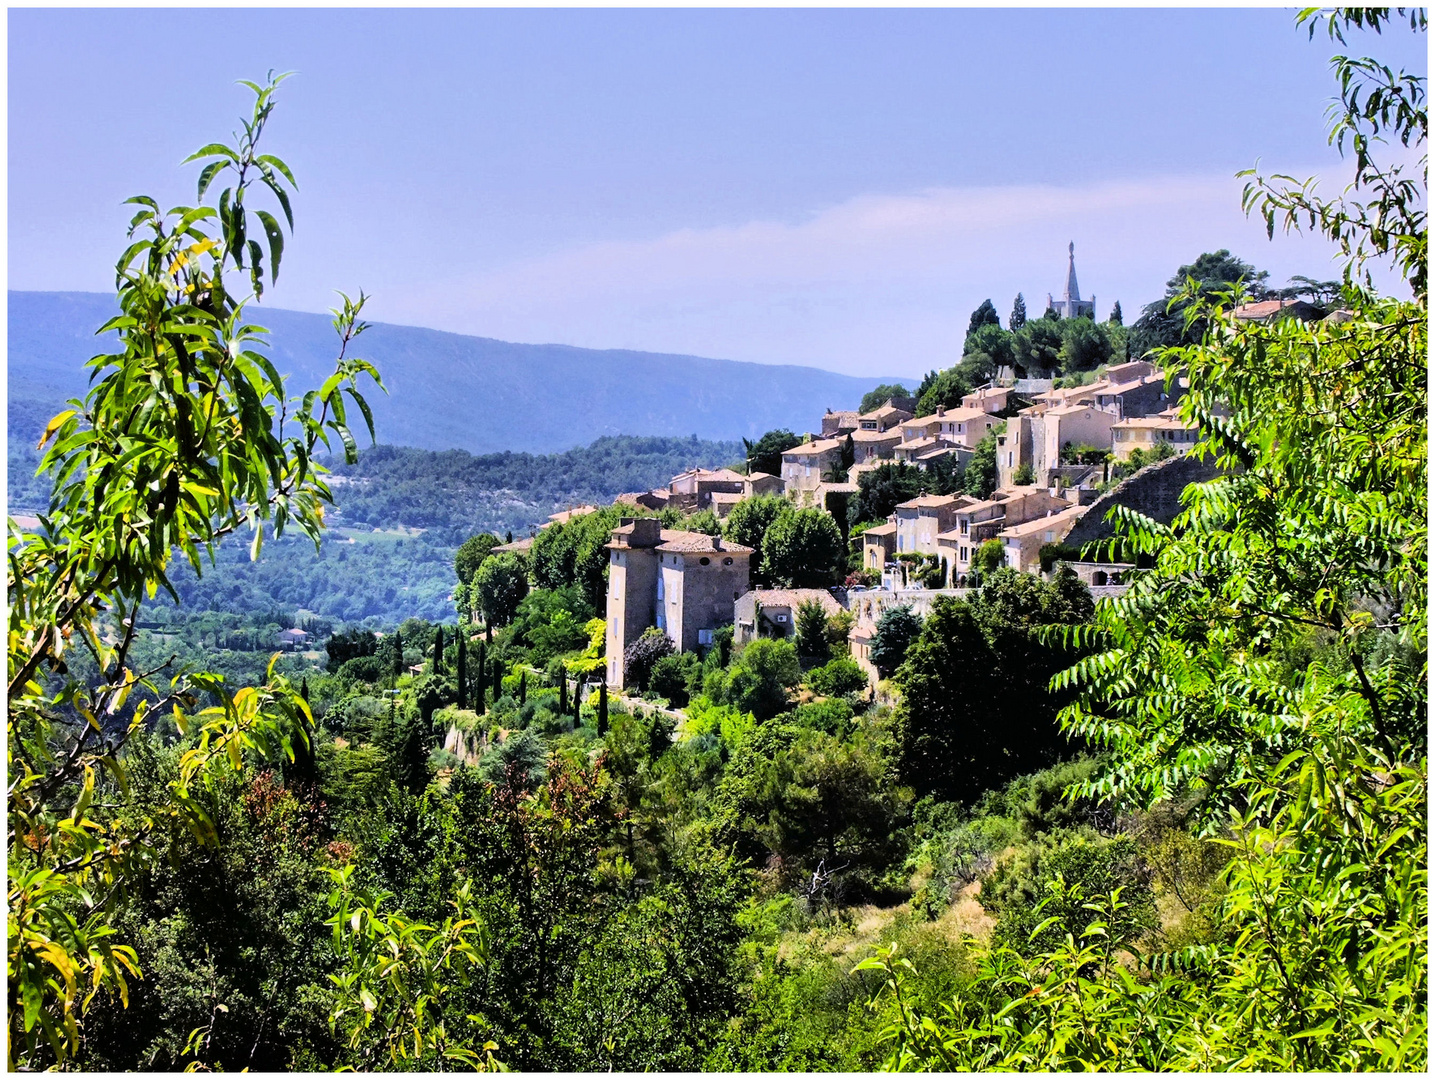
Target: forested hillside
[
  {"x": 400, "y": 515},
  {"x": 477, "y": 394}
]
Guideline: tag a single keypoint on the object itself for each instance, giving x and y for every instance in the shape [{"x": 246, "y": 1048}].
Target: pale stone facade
[{"x": 683, "y": 583}]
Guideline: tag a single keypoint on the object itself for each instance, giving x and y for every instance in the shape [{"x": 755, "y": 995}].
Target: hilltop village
[{"x": 1044, "y": 460}]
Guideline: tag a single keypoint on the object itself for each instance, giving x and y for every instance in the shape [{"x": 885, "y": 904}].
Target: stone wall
[{"x": 1154, "y": 490}]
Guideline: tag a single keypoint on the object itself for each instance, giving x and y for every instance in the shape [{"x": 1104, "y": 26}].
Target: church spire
[{"x": 1072, "y": 292}]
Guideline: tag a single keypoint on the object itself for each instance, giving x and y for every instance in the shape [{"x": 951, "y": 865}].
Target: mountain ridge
[{"x": 458, "y": 391}]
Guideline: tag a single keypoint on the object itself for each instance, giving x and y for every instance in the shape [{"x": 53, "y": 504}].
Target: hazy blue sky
[{"x": 838, "y": 188}]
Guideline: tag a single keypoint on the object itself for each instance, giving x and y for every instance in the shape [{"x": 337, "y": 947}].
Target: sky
[{"x": 838, "y": 188}]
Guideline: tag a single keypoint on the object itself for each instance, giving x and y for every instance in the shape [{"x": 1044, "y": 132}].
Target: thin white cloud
[{"x": 878, "y": 284}]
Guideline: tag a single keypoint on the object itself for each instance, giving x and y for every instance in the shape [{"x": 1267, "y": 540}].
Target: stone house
[
  {"x": 804, "y": 466},
  {"x": 992, "y": 399},
  {"x": 839, "y": 423},
  {"x": 1022, "y": 543},
  {"x": 773, "y": 612},
  {"x": 693, "y": 490},
  {"x": 761, "y": 483},
  {"x": 977, "y": 522},
  {"x": 879, "y": 544},
  {"x": 920, "y": 520},
  {"x": 885, "y": 417},
  {"x": 871, "y": 446},
  {"x": 1035, "y": 437},
  {"x": 293, "y": 639},
  {"x": 683, "y": 583},
  {"x": 1147, "y": 432}
]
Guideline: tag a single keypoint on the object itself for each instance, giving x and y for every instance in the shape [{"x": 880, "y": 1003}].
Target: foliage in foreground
[{"x": 1274, "y": 659}]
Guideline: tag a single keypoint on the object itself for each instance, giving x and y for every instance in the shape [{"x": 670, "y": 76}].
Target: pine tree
[
  {"x": 462, "y": 670},
  {"x": 438, "y": 650},
  {"x": 1115, "y": 319},
  {"x": 1018, "y": 314}
]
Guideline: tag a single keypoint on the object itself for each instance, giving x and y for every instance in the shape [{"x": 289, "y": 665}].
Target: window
[
  {"x": 615, "y": 629},
  {"x": 1009, "y": 455},
  {"x": 962, "y": 554},
  {"x": 704, "y": 561},
  {"x": 779, "y": 617},
  {"x": 660, "y": 586},
  {"x": 727, "y": 561},
  {"x": 662, "y": 621},
  {"x": 705, "y": 637},
  {"x": 965, "y": 523}
]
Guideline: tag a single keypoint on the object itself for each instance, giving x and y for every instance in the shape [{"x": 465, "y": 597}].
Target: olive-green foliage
[
  {"x": 989, "y": 557},
  {"x": 240, "y": 924},
  {"x": 762, "y": 675},
  {"x": 803, "y": 549},
  {"x": 1085, "y": 345},
  {"x": 840, "y": 677},
  {"x": 672, "y": 676},
  {"x": 897, "y": 629},
  {"x": 1099, "y": 865},
  {"x": 765, "y": 455},
  {"x": 877, "y": 397},
  {"x": 980, "y": 478},
  {"x": 747, "y": 523},
  {"x": 881, "y": 489},
  {"x": 470, "y": 555},
  {"x": 550, "y": 623},
  {"x": 573, "y": 553},
  {"x": 811, "y": 630},
  {"x": 975, "y": 707},
  {"x": 502, "y": 583},
  {"x": 817, "y": 802}
]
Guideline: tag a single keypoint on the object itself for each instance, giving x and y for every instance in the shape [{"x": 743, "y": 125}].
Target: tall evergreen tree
[
  {"x": 603, "y": 706},
  {"x": 1018, "y": 314},
  {"x": 1115, "y": 319},
  {"x": 523, "y": 687},
  {"x": 398, "y": 655},
  {"x": 438, "y": 650},
  {"x": 480, "y": 682},
  {"x": 462, "y": 672},
  {"x": 986, "y": 315}
]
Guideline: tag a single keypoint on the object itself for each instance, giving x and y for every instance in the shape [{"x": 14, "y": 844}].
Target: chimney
[{"x": 941, "y": 410}]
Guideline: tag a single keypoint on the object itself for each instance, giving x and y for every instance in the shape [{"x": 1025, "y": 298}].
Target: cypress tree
[
  {"x": 398, "y": 654},
  {"x": 438, "y": 650},
  {"x": 462, "y": 671},
  {"x": 602, "y": 706},
  {"x": 480, "y": 682},
  {"x": 1115, "y": 319},
  {"x": 578, "y": 702},
  {"x": 1018, "y": 314},
  {"x": 523, "y": 687},
  {"x": 562, "y": 693},
  {"x": 304, "y": 689}
]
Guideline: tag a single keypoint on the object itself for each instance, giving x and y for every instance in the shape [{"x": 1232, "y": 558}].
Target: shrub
[
  {"x": 837, "y": 678},
  {"x": 643, "y": 655}
]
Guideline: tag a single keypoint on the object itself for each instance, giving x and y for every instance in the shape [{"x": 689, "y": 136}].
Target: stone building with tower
[
  {"x": 684, "y": 583},
  {"x": 1071, "y": 305}
]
